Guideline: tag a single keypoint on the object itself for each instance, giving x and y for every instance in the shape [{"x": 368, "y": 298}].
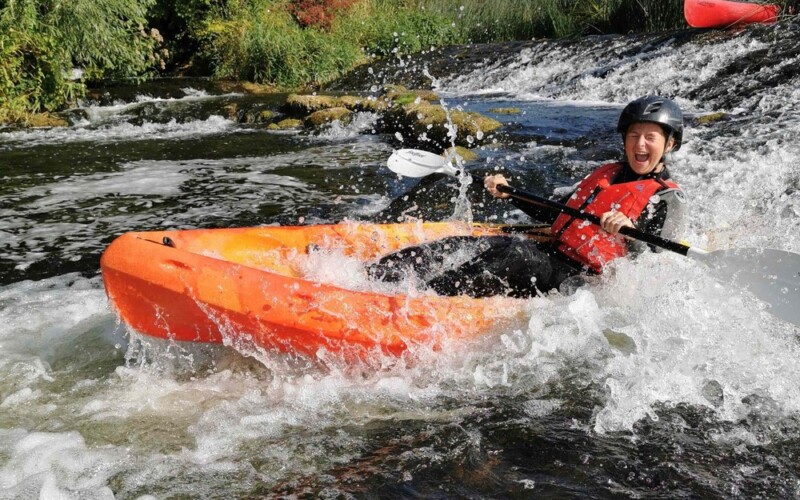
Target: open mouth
[{"x": 642, "y": 157}]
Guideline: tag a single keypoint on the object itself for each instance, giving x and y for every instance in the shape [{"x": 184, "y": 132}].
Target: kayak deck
[{"x": 230, "y": 285}]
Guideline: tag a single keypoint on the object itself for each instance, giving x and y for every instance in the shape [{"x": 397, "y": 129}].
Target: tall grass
[
  {"x": 259, "y": 40},
  {"x": 499, "y": 20},
  {"x": 264, "y": 44}
]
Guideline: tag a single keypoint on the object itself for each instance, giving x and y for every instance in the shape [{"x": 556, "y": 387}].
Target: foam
[
  {"x": 653, "y": 333},
  {"x": 55, "y": 465},
  {"x": 116, "y": 132}
]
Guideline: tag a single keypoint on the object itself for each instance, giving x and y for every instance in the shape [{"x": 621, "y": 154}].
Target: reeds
[
  {"x": 500, "y": 20},
  {"x": 259, "y": 40}
]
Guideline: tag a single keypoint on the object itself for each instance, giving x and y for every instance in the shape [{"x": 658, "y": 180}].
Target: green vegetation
[
  {"x": 41, "y": 41},
  {"x": 481, "y": 21},
  {"x": 291, "y": 43},
  {"x": 262, "y": 42},
  {"x": 285, "y": 43}
]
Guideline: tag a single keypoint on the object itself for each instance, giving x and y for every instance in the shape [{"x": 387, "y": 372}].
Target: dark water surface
[{"x": 655, "y": 381}]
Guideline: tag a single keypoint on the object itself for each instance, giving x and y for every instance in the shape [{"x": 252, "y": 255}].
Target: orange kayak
[
  {"x": 229, "y": 285},
  {"x": 725, "y": 13}
]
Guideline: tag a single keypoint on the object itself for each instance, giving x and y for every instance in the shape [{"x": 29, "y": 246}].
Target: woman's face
[{"x": 644, "y": 147}]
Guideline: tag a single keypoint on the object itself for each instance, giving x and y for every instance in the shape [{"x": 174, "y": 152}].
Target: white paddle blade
[
  {"x": 416, "y": 163},
  {"x": 771, "y": 275}
]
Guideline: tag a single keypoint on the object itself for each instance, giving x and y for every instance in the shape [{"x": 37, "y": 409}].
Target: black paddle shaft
[{"x": 519, "y": 194}]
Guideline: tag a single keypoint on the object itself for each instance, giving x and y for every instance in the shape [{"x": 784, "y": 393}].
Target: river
[{"x": 655, "y": 381}]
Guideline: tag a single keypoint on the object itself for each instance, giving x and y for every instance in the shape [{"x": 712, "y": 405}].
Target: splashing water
[{"x": 654, "y": 379}]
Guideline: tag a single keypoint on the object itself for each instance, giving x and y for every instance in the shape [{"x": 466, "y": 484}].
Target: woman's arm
[{"x": 665, "y": 216}]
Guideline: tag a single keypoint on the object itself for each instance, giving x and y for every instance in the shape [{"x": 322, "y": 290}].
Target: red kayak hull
[
  {"x": 724, "y": 13},
  {"x": 243, "y": 285}
]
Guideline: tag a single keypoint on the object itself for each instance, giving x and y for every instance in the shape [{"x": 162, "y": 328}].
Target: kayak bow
[
  {"x": 725, "y": 13},
  {"x": 225, "y": 285}
]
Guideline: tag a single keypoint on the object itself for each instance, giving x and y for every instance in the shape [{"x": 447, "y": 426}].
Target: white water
[
  {"x": 90, "y": 132},
  {"x": 76, "y": 421},
  {"x": 688, "y": 329}
]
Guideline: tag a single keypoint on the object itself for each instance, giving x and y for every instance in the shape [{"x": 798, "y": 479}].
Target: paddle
[{"x": 771, "y": 275}]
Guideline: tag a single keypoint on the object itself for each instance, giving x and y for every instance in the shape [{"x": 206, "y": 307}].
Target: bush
[
  {"x": 181, "y": 22},
  {"x": 266, "y": 45},
  {"x": 43, "y": 40},
  {"x": 406, "y": 33},
  {"x": 317, "y": 13}
]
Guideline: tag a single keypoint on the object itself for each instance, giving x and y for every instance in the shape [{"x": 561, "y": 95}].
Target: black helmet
[{"x": 654, "y": 109}]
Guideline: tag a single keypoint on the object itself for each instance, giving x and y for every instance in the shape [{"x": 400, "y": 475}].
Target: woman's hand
[
  {"x": 613, "y": 221},
  {"x": 490, "y": 182}
]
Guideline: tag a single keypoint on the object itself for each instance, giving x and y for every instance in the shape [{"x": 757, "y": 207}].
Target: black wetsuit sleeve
[
  {"x": 537, "y": 213},
  {"x": 664, "y": 216}
]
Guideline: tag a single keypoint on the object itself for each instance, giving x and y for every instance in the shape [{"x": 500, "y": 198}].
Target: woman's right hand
[{"x": 490, "y": 182}]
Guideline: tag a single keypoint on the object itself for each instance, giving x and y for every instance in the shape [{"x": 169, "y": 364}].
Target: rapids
[{"x": 653, "y": 381}]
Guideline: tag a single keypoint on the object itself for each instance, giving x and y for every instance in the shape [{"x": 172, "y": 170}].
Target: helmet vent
[{"x": 652, "y": 108}]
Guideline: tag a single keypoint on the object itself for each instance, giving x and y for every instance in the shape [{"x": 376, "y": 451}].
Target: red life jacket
[{"x": 588, "y": 243}]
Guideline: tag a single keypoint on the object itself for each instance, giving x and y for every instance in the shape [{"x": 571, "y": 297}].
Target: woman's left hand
[{"x": 613, "y": 221}]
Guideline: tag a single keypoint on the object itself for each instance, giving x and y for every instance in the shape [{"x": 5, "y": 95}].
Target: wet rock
[
  {"x": 257, "y": 88},
  {"x": 368, "y": 104},
  {"x": 459, "y": 152},
  {"x": 256, "y": 115},
  {"x": 408, "y": 112},
  {"x": 303, "y": 105},
  {"x": 326, "y": 116},
  {"x": 505, "y": 111},
  {"x": 286, "y": 124},
  {"x": 620, "y": 341},
  {"x": 735, "y": 85},
  {"x": 75, "y": 115},
  {"x": 426, "y": 123},
  {"x": 231, "y": 111},
  {"x": 46, "y": 120},
  {"x": 713, "y": 393},
  {"x": 401, "y": 95},
  {"x": 709, "y": 119},
  {"x": 745, "y": 76},
  {"x": 249, "y": 113}
]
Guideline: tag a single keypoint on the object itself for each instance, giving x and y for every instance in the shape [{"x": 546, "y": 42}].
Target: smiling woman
[
  {"x": 645, "y": 146},
  {"x": 635, "y": 193}
]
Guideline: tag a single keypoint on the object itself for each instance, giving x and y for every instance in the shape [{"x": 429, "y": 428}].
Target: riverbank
[
  {"x": 49, "y": 63},
  {"x": 54, "y": 53}
]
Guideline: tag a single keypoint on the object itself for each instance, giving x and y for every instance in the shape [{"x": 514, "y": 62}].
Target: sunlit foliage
[{"x": 43, "y": 42}]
